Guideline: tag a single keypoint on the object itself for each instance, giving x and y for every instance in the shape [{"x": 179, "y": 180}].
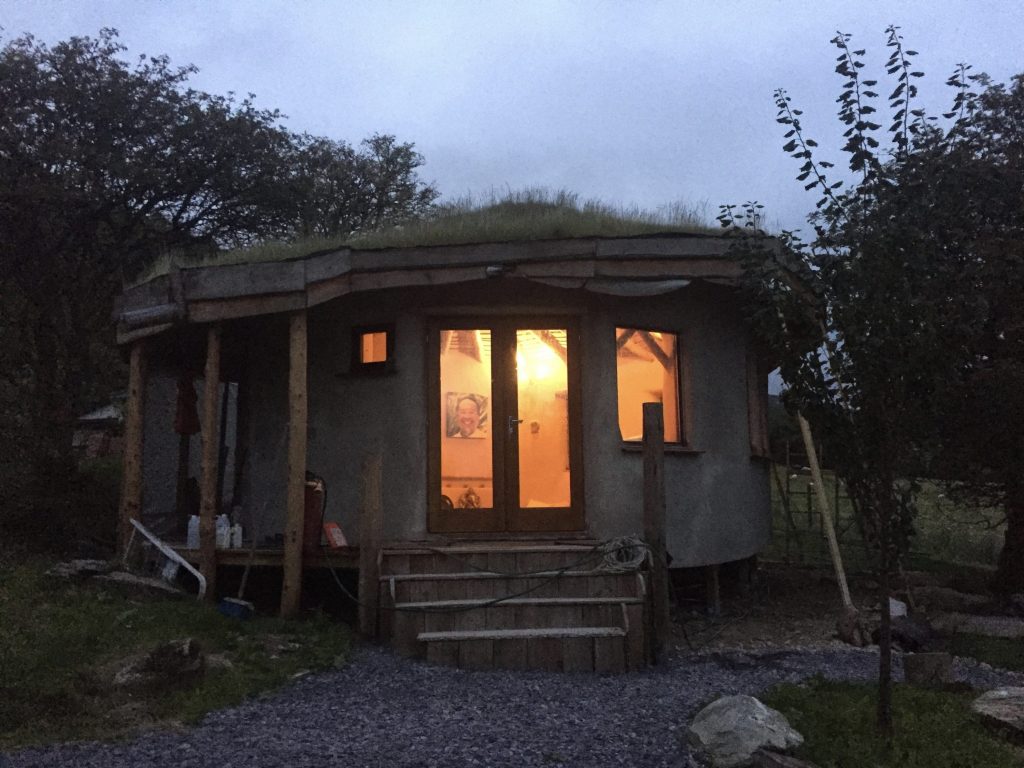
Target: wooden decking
[
  {"x": 345, "y": 557},
  {"x": 510, "y": 605}
]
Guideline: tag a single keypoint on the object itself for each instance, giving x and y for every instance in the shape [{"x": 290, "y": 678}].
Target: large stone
[
  {"x": 79, "y": 570},
  {"x": 730, "y": 730},
  {"x": 850, "y": 628},
  {"x": 1003, "y": 709},
  {"x": 173, "y": 664},
  {"x": 930, "y": 670},
  {"x": 910, "y": 633}
]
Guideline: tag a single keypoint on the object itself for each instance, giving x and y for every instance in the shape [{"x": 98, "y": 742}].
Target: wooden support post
[
  {"x": 298, "y": 412},
  {"x": 826, "y": 514},
  {"x": 131, "y": 481},
  {"x": 654, "y": 525},
  {"x": 371, "y": 531},
  {"x": 208, "y": 486}
]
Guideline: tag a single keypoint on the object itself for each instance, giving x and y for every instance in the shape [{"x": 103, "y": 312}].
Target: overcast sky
[{"x": 630, "y": 102}]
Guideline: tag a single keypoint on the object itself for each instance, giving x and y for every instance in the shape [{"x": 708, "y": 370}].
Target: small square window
[
  {"x": 647, "y": 371},
  {"x": 372, "y": 348}
]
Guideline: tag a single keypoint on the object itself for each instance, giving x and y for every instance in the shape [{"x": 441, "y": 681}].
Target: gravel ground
[{"x": 382, "y": 710}]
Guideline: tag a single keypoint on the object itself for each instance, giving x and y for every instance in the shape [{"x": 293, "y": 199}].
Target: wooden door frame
[{"x": 507, "y": 517}]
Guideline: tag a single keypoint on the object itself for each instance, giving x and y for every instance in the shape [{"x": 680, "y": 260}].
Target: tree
[
  {"x": 344, "y": 191},
  {"x": 105, "y": 165},
  {"x": 878, "y": 320}
]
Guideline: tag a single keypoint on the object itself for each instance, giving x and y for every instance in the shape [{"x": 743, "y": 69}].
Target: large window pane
[
  {"x": 647, "y": 370},
  {"x": 542, "y": 382},
  {"x": 467, "y": 432}
]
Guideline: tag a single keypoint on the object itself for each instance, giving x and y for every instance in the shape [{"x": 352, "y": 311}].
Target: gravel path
[{"x": 382, "y": 710}]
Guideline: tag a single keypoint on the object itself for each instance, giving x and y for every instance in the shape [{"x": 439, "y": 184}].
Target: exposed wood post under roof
[
  {"x": 131, "y": 482},
  {"x": 298, "y": 407},
  {"x": 211, "y": 443}
]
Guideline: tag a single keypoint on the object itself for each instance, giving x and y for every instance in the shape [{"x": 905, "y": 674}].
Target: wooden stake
[
  {"x": 371, "y": 531},
  {"x": 714, "y": 590},
  {"x": 654, "y": 525},
  {"x": 826, "y": 513},
  {"x": 210, "y": 443},
  {"x": 131, "y": 481},
  {"x": 298, "y": 412}
]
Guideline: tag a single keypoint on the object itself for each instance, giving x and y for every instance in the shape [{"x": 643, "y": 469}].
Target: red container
[{"x": 314, "y": 517}]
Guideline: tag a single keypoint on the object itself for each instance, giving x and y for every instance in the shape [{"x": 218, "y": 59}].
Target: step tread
[
  {"x": 480, "y": 549},
  {"x": 489, "y": 602},
  {"x": 519, "y": 634},
  {"x": 468, "y": 575}
]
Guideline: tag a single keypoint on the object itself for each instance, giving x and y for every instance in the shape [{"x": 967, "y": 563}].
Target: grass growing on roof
[
  {"x": 61, "y": 643},
  {"x": 933, "y": 729},
  {"x": 531, "y": 214}
]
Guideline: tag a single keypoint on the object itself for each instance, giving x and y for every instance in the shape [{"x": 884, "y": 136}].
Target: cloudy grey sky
[{"x": 631, "y": 102}]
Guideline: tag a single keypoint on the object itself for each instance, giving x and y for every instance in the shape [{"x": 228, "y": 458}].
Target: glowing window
[
  {"x": 647, "y": 371},
  {"x": 372, "y": 348}
]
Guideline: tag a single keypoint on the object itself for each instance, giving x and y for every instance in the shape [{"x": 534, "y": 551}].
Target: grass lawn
[
  {"x": 934, "y": 729},
  {"x": 61, "y": 643}
]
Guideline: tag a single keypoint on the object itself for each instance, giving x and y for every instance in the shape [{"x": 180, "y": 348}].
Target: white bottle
[
  {"x": 192, "y": 540},
  {"x": 236, "y": 536},
  {"x": 223, "y": 532}
]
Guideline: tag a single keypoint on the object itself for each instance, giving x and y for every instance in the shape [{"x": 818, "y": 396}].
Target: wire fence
[{"x": 945, "y": 533}]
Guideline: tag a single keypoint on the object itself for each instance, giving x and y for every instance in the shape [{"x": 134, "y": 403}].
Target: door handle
[{"x": 512, "y": 421}]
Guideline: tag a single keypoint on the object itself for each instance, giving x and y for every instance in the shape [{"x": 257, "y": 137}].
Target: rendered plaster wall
[
  {"x": 717, "y": 495},
  {"x": 160, "y": 451}
]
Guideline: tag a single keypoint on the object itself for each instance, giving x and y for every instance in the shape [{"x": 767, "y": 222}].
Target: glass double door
[{"x": 504, "y": 426}]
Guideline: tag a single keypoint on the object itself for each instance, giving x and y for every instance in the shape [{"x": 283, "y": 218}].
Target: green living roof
[{"x": 515, "y": 217}]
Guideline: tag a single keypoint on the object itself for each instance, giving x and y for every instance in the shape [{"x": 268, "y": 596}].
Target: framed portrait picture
[{"x": 466, "y": 415}]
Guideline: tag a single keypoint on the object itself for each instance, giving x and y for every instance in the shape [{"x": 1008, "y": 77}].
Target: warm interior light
[
  {"x": 374, "y": 348},
  {"x": 534, "y": 358}
]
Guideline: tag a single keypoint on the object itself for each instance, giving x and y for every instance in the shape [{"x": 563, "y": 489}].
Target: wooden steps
[{"x": 514, "y": 606}]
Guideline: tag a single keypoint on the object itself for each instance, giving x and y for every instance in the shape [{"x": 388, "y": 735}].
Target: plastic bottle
[
  {"x": 223, "y": 532},
  {"x": 236, "y": 536},
  {"x": 192, "y": 540}
]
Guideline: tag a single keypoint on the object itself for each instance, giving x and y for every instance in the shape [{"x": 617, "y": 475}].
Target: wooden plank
[
  {"x": 670, "y": 269},
  {"x": 609, "y": 655},
  {"x": 473, "y": 600},
  {"x": 326, "y": 266},
  {"x": 545, "y": 653},
  {"x": 654, "y": 525},
  {"x": 134, "y": 431},
  {"x": 510, "y": 654},
  {"x": 577, "y": 654},
  {"x": 680, "y": 245},
  {"x": 476, "y": 654},
  {"x": 636, "y": 646},
  {"x": 371, "y": 530},
  {"x": 295, "y": 515},
  {"x": 513, "y": 634},
  {"x": 443, "y": 654},
  {"x": 210, "y": 460},
  {"x": 212, "y": 310},
  {"x": 233, "y": 280}
]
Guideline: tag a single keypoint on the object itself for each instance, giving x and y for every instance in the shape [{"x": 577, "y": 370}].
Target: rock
[
  {"x": 946, "y": 599},
  {"x": 910, "y": 633},
  {"x": 764, "y": 758},
  {"x": 79, "y": 570},
  {"x": 851, "y": 629},
  {"x": 218, "y": 661},
  {"x": 897, "y": 607},
  {"x": 1003, "y": 709},
  {"x": 730, "y": 730},
  {"x": 930, "y": 670},
  {"x": 131, "y": 584},
  {"x": 169, "y": 665}
]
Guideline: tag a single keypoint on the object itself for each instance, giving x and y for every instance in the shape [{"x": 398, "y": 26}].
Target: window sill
[{"x": 669, "y": 448}]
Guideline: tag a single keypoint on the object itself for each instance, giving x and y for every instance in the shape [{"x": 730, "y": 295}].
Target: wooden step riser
[
  {"x": 606, "y": 654},
  {"x": 501, "y": 562},
  {"x": 405, "y": 626},
  {"x": 610, "y": 585}
]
